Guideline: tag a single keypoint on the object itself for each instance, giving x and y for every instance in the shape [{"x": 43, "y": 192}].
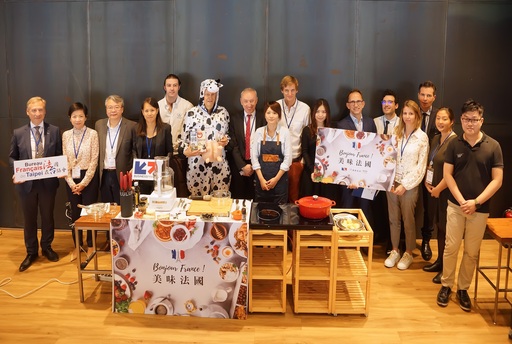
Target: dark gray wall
[{"x": 69, "y": 51}]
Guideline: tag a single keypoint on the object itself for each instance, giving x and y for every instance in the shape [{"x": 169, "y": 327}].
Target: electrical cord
[{"x": 8, "y": 280}]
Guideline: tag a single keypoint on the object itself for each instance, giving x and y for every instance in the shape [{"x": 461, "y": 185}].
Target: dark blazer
[
  {"x": 22, "y": 150},
  {"x": 162, "y": 142},
  {"x": 347, "y": 124},
  {"x": 125, "y": 140},
  {"x": 431, "y": 130},
  {"x": 236, "y": 145}
]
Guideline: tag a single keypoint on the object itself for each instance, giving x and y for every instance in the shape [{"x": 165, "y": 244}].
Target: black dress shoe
[
  {"x": 464, "y": 300},
  {"x": 443, "y": 296},
  {"x": 51, "y": 255},
  {"x": 437, "y": 279},
  {"x": 436, "y": 266},
  {"x": 426, "y": 252},
  {"x": 29, "y": 259}
]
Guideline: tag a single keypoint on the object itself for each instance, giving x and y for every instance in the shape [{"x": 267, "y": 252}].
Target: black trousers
[
  {"x": 42, "y": 199},
  {"x": 88, "y": 196}
]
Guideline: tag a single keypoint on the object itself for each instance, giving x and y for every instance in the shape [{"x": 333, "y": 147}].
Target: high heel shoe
[
  {"x": 434, "y": 267},
  {"x": 437, "y": 278}
]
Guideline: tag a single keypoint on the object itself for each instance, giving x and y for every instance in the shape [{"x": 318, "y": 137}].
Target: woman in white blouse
[
  {"x": 412, "y": 153},
  {"x": 80, "y": 145},
  {"x": 271, "y": 157}
]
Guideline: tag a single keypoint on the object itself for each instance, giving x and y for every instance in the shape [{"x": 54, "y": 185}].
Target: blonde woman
[{"x": 412, "y": 154}]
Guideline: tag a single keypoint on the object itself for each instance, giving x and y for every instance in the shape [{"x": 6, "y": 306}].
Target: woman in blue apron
[{"x": 271, "y": 157}]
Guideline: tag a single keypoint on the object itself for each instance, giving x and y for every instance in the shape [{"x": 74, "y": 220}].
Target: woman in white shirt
[
  {"x": 412, "y": 153},
  {"x": 271, "y": 157}
]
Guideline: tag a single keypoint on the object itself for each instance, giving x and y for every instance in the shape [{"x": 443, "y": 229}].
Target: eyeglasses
[
  {"x": 355, "y": 102},
  {"x": 470, "y": 120},
  {"x": 389, "y": 102},
  {"x": 114, "y": 107}
]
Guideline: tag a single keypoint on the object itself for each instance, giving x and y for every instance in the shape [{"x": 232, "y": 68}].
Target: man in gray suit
[
  {"x": 116, "y": 135},
  {"x": 38, "y": 139}
]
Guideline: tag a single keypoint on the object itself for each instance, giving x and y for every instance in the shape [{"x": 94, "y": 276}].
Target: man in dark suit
[
  {"x": 426, "y": 97},
  {"x": 240, "y": 125},
  {"x": 356, "y": 121},
  {"x": 116, "y": 136},
  {"x": 36, "y": 140}
]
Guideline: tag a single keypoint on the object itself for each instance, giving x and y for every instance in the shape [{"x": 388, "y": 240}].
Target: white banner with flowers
[{"x": 347, "y": 157}]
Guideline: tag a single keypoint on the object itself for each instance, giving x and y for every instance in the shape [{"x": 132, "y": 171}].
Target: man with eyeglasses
[
  {"x": 426, "y": 97},
  {"x": 386, "y": 123},
  {"x": 116, "y": 135},
  {"x": 473, "y": 171},
  {"x": 356, "y": 121}
]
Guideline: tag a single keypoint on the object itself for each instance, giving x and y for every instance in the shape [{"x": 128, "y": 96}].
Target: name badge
[
  {"x": 111, "y": 161},
  {"x": 430, "y": 175},
  {"x": 75, "y": 172}
]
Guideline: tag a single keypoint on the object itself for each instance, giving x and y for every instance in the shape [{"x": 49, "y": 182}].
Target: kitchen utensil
[{"x": 314, "y": 207}]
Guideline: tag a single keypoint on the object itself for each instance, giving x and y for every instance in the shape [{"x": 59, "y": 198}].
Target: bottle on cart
[{"x": 136, "y": 193}]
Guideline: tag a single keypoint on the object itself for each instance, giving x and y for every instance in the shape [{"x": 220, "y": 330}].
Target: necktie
[
  {"x": 248, "y": 137},
  {"x": 39, "y": 143},
  {"x": 386, "y": 128},
  {"x": 424, "y": 121}
]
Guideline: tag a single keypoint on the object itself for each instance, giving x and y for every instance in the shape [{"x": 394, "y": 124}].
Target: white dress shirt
[
  {"x": 284, "y": 141},
  {"x": 295, "y": 119},
  {"x": 380, "y": 123},
  {"x": 174, "y": 117}
]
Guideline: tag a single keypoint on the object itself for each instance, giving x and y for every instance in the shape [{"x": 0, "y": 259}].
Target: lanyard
[
  {"x": 439, "y": 145},
  {"x": 115, "y": 137},
  {"x": 402, "y": 148},
  {"x": 285, "y": 117},
  {"x": 80, "y": 145},
  {"x": 149, "y": 143},
  {"x": 37, "y": 142}
]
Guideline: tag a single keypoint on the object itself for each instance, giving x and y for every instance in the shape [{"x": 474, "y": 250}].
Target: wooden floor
[{"x": 403, "y": 310}]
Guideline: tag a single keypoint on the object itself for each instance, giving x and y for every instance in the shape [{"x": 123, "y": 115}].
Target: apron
[{"x": 270, "y": 160}]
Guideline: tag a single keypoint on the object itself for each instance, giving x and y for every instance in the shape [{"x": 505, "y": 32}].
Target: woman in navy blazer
[{"x": 153, "y": 137}]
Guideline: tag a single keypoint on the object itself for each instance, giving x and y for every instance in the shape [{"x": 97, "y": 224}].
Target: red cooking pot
[{"x": 314, "y": 207}]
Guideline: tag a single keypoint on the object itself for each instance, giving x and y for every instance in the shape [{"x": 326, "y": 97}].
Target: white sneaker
[
  {"x": 391, "y": 260},
  {"x": 405, "y": 262}
]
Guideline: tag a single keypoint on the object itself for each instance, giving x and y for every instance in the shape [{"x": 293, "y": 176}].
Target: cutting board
[{"x": 205, "y": 207}]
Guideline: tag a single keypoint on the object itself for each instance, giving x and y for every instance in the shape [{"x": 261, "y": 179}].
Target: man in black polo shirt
[{"x": 473, "y": 171}]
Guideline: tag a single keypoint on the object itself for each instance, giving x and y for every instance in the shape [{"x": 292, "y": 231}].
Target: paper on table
[{"x": 139, "y": 230}]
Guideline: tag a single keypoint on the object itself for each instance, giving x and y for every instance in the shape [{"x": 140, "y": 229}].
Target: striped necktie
[{"x": 39, "y": 143}]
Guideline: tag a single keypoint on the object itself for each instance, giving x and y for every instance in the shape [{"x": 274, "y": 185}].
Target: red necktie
[{"x": 248, "y": 137}]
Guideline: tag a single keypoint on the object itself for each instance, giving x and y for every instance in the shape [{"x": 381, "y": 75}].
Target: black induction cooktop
[{"x": 289, "y": 218}]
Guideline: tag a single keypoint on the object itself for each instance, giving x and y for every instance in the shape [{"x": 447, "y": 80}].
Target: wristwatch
[{"x": 477, "y": 204}]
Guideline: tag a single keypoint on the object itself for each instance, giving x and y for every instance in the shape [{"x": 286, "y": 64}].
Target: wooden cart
[{"x": 267, "y": 270}]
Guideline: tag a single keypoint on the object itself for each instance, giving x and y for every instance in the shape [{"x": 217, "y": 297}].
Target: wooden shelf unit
[
  {"x": 351, "y": 270},
  {"x": 312, "y": 271},
  {"x": 267, "y": 270}
]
